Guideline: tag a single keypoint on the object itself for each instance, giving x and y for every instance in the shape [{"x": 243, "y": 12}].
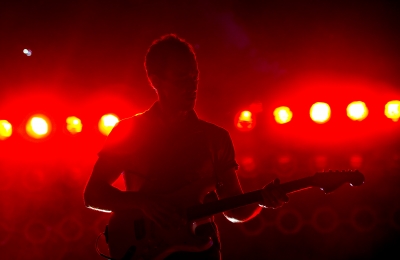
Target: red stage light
[
  {"x": 392, "y": 110},
  {"x": 38, "y": 126},
  {"x": 74, "y": 125},
  {"x": 320, "y": 112},
  {"x": 357, "y": 111},
  {"x": 245, "y": 121},
  {"x": 5, "y": 129},
  {"x": 107, "y": 123},
  {"x": 283, "y": 115}
]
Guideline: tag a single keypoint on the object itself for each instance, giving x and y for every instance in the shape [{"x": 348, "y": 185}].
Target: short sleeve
[{"x": 226, "y": 154}]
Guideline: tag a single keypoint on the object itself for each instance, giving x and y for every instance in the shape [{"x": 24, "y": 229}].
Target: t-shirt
[
  {"x": 161, "y": 157},
  {"x": 164, "y": 157}
]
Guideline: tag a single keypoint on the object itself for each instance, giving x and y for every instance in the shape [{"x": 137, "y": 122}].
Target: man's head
[{"x": 171, "y": 68}]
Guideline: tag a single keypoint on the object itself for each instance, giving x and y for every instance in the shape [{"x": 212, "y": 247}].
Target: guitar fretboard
[{"x": 212, "y": 208}]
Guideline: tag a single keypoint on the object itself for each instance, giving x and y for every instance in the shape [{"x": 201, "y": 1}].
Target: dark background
[{"x": 87, "y": 60}]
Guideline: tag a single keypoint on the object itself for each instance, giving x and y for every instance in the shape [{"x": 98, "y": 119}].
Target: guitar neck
[{"x": 212, "y": 208}]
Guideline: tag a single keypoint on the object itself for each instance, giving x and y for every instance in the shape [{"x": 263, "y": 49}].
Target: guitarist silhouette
[{"x": 171, "y": 161}]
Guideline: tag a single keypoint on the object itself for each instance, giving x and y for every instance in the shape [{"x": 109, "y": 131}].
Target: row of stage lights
[
  {"x": 39, "y": 126},
  {"x": 320, "y": 113}
]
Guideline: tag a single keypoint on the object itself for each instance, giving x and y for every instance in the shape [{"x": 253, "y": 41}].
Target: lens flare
[
  {"x": 27, "y": 52},
  {"x": 38, "y": 126},
  {"x": 74, "y": 125},
  {"x": 245, "y": 120},
  {"x": 357, "y": 111},
  {"x": 5, "y": 129},
  {"x": 320, "y": 112},
  {"x": 392, "y": 110},
  {"x": 283, "y": 115},
  {"x": 107, "y": 123}
]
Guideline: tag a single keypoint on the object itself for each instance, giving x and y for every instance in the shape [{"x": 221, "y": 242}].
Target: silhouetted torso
[{"x": 161, "y": 158}]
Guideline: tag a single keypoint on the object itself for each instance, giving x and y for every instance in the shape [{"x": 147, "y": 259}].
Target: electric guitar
[{"x": 131, "y": 236}]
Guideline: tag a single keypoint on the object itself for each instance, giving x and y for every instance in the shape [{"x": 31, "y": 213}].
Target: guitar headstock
[{"x": 331, "y": 180}]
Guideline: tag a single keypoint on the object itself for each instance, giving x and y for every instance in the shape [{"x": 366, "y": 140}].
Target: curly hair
[{"x": 162, "y": 50}]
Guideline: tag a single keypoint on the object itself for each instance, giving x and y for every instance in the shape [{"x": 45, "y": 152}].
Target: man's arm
[
  {"x": 230, "y": 186},
  {"x": 100, "y": 195}
]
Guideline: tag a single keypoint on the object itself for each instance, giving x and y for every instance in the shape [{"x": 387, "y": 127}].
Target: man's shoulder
[
  {"x": 132, "y": 120},
  {"x": 129, "y": 125},
  {"x": 212, "y": 128}
]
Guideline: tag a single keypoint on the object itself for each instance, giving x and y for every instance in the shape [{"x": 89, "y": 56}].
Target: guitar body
[
  {"x": 131, "y": 232},
  {"x": 135, "y": 237},
  {"x": 132, "y": 236}
]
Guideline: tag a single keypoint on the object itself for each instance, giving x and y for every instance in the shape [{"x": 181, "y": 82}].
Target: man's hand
[
  {"x": 163, "y": 213},
  {"x": 273, "y": 196}
]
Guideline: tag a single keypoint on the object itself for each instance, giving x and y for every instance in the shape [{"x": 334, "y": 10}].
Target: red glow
[
  {"x": 245, "y": 121},
  {"x": 248, "y": 164},
  {"x": 320, "y": 162},
  {"x": 74, "y": 125},
  {"x": 320, "y": 112},
  {"x": 285, "y": 165},
  {"x": 357, "y": 111},
  {"x": 338, "y": 91},
  {"x": 392, "y": 110},
  {"x": 37, "y": 231},
  {"x": 6, "y": 233},
  {"x": 5, "y": 129},
  {"x": 283, "y": 115},
  {"x": 120, "y": 183},
  {"x": 247, "y": 167},
  {"x": 38, "y": 126},
  {"x": 107, "y": 123},
  {"x": 70, "y": 229},
  {"x": 356, "y": 161}
]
